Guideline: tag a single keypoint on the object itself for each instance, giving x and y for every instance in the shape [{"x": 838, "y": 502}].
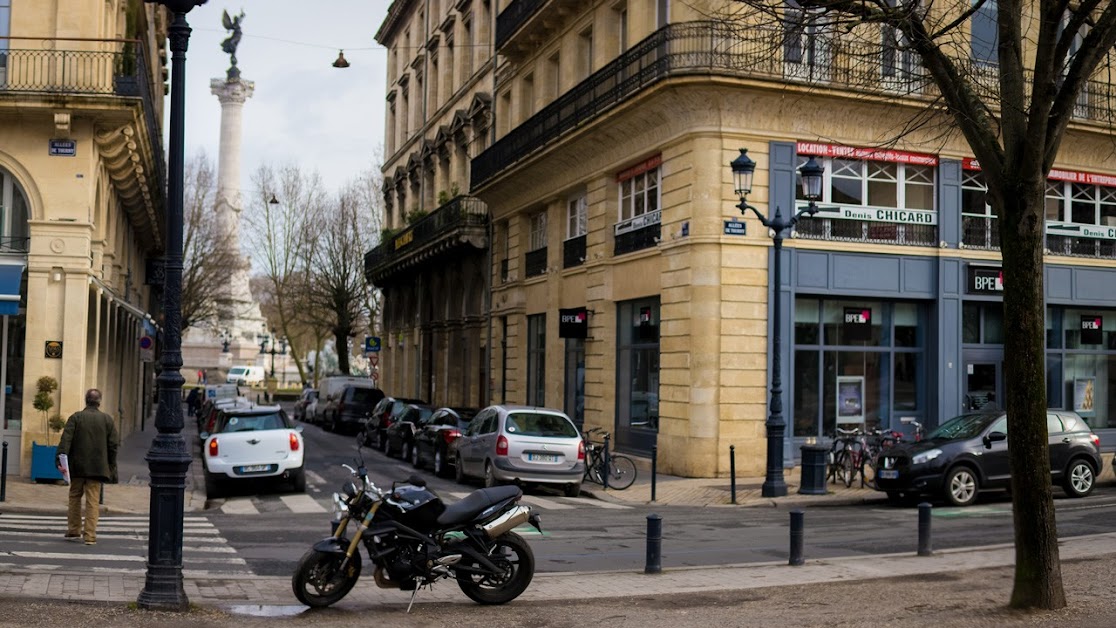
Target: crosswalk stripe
[
  {"x": 315, "y": 478},
  {"x": 301, "y": 503},
  {"x": 101, "y": 527},
  {"x": 102, "y": 533},
  {"x": 546, "y": 503},
  {"x": 240, "y": 507},
  {"x": 596, "y": 503},
  {"x": 123, "y": 518},
  {"x": 109, "y": 557}
]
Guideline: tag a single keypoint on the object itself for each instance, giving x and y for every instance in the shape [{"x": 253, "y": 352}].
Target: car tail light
[
  {"x": 1096, "y": 440},
  {"x": 501, "y": 446},
  {"x": 450, "y": 435},
  {"x": 213, "y": 447},
  {"x": 581, "y": 450},
  {"x": 294, "y": 441}
]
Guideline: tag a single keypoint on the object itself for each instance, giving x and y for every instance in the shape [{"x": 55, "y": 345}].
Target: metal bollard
[
  {"x": 4, "y": 473},
  {"x": 607, "y": 466},
  {"x": 732, "y": 470},
  {"x": 654, "y": 544},
  {"x": 797, "y": 523},
  {"x": 924, "y": 529},
  {"x": 654, "y": 468}
]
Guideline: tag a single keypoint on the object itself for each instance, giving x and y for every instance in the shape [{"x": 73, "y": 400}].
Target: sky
[{"x": 303, "y": 111}]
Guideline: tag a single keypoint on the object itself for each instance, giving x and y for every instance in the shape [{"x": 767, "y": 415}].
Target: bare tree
[
  {"x": 283, "y": 216},
  {"x": 368, "y": 189},
  {"x": 208, "y": 253},
  {"x": 1012, "y": 110}
]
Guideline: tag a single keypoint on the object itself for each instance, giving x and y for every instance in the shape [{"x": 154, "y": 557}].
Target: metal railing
[
  {"x": 535, "y": 263},
  {"x": 459, "y": 212},
  {"x": 1072, "y": 246},
  {"x": 867, "y": 231},
  {"x": 720, "y": 49},
  {"x": 119, "y": 69},
  {"x": 514, "y": 16},
  {"x": 979, "y": 232},
  {"x": 18, "y": 245},
  {"x": 573, "y": 252}
]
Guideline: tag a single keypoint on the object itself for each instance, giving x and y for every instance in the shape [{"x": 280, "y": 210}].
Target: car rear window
[
  {"x": 534, "y": 424},
  {"x": 253, "y": 423},
  {"x": 363, "y": 395}
]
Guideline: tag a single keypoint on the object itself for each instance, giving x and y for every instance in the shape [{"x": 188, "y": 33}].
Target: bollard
[
  {"x": 607, "y": 464},
  {"x": 797, "y": 522},
  {"x": 732, "y": 470},
  {"x": 654, "y": 544},
  {"x": 4, "y": 473},
  {"x": 257, "y": 399},
  {"x": 924, "y": 529},
  {"x": 654, "y": 468}
]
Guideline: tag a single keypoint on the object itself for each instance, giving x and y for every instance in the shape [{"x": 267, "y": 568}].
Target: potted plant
[{"x": 42, "y": 456}]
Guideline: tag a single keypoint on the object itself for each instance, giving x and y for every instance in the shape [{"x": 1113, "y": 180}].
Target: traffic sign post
[{"x": 371, "y": 344}]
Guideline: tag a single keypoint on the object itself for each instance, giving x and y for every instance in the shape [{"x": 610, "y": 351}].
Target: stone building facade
[
  {"x": 627, "y": 289},
  {"x": 82, "y": 209}
]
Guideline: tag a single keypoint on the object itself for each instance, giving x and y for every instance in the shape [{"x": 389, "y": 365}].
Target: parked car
[
  {"x": 308, "y": 395},
  {"x": 350, "y": 409},
  {"x": 436, "y": 442},
  {"x": 399, "y": 437},
  {"x": 250, "y": 442},
  {"x": 329, "y": 393},
  {"x": 969, "y": 454},
  {"x": 524, "y": 445},
  {"x": 383, "y": 415}
]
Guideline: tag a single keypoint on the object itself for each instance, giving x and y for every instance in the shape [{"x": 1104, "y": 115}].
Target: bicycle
[
  {"x": 846, "y": 456},
  {"x": 621, "y": 469},
  {"x": 919, "y": 431}
]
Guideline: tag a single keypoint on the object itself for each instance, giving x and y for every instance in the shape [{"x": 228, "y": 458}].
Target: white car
[{"x": 251, "y": 442}]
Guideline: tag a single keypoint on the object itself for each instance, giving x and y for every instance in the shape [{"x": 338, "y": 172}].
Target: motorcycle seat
[{"x": 475, "y": 503}]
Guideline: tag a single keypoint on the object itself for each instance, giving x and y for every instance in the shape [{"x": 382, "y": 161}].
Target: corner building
[
  {"x": 82, "y": 180},
  {"x": 627, "y": 289}
]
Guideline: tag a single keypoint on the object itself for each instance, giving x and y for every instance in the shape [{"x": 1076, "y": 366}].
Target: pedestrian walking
[
  {"x": 201, "y": 377},
  {"x": 90, "y": 442},
  {"x": 193, "y": 401},
  {"x": 205, "y": 376}
]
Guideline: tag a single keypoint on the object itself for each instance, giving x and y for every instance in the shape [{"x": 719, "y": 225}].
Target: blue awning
[{"x": 11, "y": 276}]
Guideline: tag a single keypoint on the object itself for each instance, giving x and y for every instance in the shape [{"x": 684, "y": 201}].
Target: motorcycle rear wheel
[
  {"x": 316, "y": 582},
  {"x": 515, "y": 557}
]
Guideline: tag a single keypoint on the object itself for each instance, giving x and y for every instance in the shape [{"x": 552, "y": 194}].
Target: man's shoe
[
  {"x": 72, "y": 537},
  {"x": 90, "y": 542}
]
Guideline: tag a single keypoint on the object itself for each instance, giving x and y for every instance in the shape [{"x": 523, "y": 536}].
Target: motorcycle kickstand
[{"x": 413, "y": 594}]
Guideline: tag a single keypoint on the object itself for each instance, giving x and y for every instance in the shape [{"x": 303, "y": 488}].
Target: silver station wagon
[{"x": 522, "y": 444}]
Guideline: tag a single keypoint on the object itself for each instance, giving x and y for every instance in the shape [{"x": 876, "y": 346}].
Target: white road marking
[
  {"x": 108, "y": 557},
  {"x": 548, "y": 504},
  {"x": 121, "y": 518},
  {"x": 596, "y": 503},
  {"x": 240, "y": 507},
  {"x": 301, "y": 503},
  {"x": 315, "y": 478},
  {"x": 101, "y": 533}
]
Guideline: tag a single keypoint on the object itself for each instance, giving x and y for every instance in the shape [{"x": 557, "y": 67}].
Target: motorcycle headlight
[
  {"x": 350, "y": 489},
  {"x": 926, "y": 456}
]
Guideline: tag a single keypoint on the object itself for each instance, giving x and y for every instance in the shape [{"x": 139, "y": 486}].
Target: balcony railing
[
  {"x": 1080, "y": 247},
  {"x": 719, "y": 49},
  {"x": 838, "y": 229},
  {"x": 513, "y": 17},
  {"x": 535, "y": 263},
  {"x": 980, "y": 232},
  {"x": 14, "y": 245},
  {"x": 461, "y": 212},
  {"x": 120, "y": 70},
  {"x": 573, "y": 252}
]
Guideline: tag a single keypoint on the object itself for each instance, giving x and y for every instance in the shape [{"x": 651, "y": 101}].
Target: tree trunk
[
  {"x": 342, "y": 339},
  {"x": 1038, "y": 574}
]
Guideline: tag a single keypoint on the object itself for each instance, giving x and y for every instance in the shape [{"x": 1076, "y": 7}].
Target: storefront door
[
  {"x": 983, "y": 384},
  {"x": 11, "y": 387}
]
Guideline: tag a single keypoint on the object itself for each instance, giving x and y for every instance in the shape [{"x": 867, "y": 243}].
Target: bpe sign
[
  {"x": 985, "y": 280},
  {"x": 858, "y": 323},
  {"x": 573, "y": 323}
]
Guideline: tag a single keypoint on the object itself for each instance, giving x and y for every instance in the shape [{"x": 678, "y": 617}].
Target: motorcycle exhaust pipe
[{"x": 515, "y": 517}]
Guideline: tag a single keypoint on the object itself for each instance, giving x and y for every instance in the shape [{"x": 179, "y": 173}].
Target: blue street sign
[
  {"x": 63, "y": 148},
  {"x": 371, "y": 344},
  {"x": 735, "y": 227}
]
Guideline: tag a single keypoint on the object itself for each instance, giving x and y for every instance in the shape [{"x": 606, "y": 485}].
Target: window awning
[{"x": 11, "y": 276}]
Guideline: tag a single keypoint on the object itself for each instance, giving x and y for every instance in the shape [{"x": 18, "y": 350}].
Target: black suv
[
  {"x": 382, "y": 416},
  {"x": 436, "y": 439},
  {"x": 399, "y": 437},
  {"x": 968, "y": 454},
  {"x": 351, "y": 409}
]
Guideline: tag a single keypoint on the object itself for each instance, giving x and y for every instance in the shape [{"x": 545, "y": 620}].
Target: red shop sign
[
  {"x": 1072, "y": 176},
  {"x": 876, "y": 154}
]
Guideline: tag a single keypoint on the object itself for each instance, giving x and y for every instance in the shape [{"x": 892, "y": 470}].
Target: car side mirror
[{"x": 993, "y": 437}]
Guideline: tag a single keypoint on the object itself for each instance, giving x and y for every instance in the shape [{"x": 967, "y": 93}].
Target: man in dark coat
[{"x": 89, "y": 441}]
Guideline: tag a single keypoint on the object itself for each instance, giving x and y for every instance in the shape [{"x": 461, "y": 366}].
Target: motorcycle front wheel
[
  {"x": 318, "y": 581},
  {"x": 517, "y": 563}
]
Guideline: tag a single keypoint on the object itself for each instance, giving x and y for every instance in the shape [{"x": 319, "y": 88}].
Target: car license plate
[
  {"x": 255, "y": 468},
  {"x": 542, "y": 457},
  {"x": 889, "y": 474}
]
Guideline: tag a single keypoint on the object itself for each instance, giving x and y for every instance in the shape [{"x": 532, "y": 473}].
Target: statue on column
[{"x": 230, "y": 44}]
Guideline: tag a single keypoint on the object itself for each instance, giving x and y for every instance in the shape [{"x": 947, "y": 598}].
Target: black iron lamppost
[
  {"x": 811, "y": 173},
  {"x": 271, "y": 341},
  {"x": 168, "y": 459}
]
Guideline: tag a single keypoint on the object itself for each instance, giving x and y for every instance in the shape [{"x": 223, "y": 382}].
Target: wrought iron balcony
[
  {"x": 459, "y": 224},
  {"x": 836, "y": 229},
  {"x": 535, "y": 263},
  {"x": 573, "y": 252},
  {"x": 518, "y": 13},
  {"x": 980, "y": 232},
  {"x": 120, "y": 69},
  {"x": 710, "y": 48}
]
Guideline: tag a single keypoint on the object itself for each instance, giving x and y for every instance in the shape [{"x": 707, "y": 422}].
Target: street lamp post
[
  {"x": 271, "y": 341},
  {"x": 742, "y": 170},
  {"x": 168, "y": 459}
]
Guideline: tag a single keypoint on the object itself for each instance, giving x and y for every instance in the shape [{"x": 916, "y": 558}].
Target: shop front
[{"x": 637, "y": 375}]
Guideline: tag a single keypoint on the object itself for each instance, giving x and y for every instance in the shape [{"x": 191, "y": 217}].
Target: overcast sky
[{"x": 304, "y": 110}]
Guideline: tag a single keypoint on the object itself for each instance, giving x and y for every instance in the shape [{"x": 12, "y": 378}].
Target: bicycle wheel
[
  {"x": 621, "y": 472},
  {"x": 593, "y": 470},
  {"x": 846, "y": 469}
]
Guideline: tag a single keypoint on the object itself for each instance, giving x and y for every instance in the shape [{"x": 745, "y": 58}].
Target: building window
[
  {"x": 435, "y": 77},
  {"x": 14, "y": 233},
  {"x": 1081, "y": 363},
  {"x": 637, "y": 373},
  {"x": 575, "y": 380},
  {"x": 662, "y": 13},
  {"x": 806, "y": 44},
  {"x": 467, "y": 47},
  {"x": 639, "y": 214},
  {"x": 536, "y": 360},
  {"x": 639, "y": 195},
  {"x": 536, "y": 249},
  {"x": 505, "y": 252},
  {"x": 978, "y": 224},
  {"x": 983, "y": 35},
  {"x": 621, "y": 10},
  {"x": 982, "y": 323},
  {"x": 577, "y": 218},
  {"x": 585, "y": 53},
  {"x": 857, "y": 364},
  {"x": 554, "y": 77}
]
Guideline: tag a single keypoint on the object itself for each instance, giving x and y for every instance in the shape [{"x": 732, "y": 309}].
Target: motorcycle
[{"x": 414, "y": 540}]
